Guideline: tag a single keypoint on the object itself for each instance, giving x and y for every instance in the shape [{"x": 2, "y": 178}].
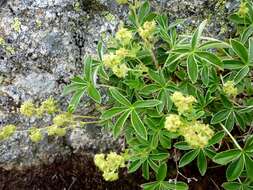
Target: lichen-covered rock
[{"x": 42, "y": 43}]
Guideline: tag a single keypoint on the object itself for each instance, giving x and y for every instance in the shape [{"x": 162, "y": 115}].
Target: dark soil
[{"x": 79, "y": 173}]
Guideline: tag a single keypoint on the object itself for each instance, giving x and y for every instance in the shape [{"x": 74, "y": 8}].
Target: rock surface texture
[{"x": 42, "y": 43}]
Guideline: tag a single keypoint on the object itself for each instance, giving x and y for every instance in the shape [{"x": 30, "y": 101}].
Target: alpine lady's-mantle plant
[{"x": 170, "y": 94}]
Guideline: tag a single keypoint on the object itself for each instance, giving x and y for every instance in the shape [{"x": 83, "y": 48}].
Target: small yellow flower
[
  {"x": 62, "y": 119},
  {"x": 35, "y": 135},
  {"x": 109, "y": 165},
  {"x": 124, "y": 36},
  {"x": 243, "y": 10},
  {"x": 111, "y": 60},
  {"x": 56, "y": 131},
  {"x": 7, "y": 131},
  {"x": 110, "y": 176},
  {"x": 120, "y": 70},
  {"x": 122, "y": 53},
  {"x": 148, "y": 29},
  {"x": 28, "y": 108},
  {"x": 198, "y": 134},
  {"x": 173, "y": 123},
  {"x": 48, "y": 106},
  {"x": 183, "y": 103},
  {"x": 230, "y": 89}
]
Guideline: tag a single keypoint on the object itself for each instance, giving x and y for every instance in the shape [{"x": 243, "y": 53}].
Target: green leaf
[
  {"x": 232, "y": 64},
  {"x": 231, "y": 186},
  {"x": 134, "y": 165},
  {"x": 182, "y": 145},
  {"x": 138, "y": 125},
  {"x": 202, "y": 163},
  {"x": 159, "y": 156},
  {"x": 146, "y": 103},
  {"x": 143, "y": 12},
  {"x": 120, "y": 123},
  {"x": 94, "y": 93},
  {"x": 150, "y": 89},
  {"x": 158, "y": 78},
  {"x": 216, "y": 138},
  {"x": 163, "y": 99},
  {"x": 249, "y": 144},
  {"x": 205, "y": 75},
  {"x": 241, "y": 74},
  {"x": 227, "y": 156},
  {"x": 209, "y": 58},
  {"x": 220, "y": 116},
  {"x": 150, "y": 186},
  {"x": 235, "y": 169},
  {"x": 240, "y": 121},
  {"x": 230, "y": 122},
  {"x": 165, "y": 141},
  {"x": 192, "y": 68},
  {"x": 162, "y": 172},
  {"x": 240, "y": 50},
  {"x": 73, "y": 87},
  {"x": 174, "y": 186},
  {"x": 251, "y": 50},
  {"x": 75, "y": 100},
  {"x": 197, "y": 34},
  {"x": 88, "y": 68},
  {"x": 188, "y": 157},
  {"x": 209, "y": 152},
  {"x": 249, "y": 166},
  {"x": 119, "y": 97},
  {"x": 145, "y": 170},
  {"x": 109, "y": 114}
]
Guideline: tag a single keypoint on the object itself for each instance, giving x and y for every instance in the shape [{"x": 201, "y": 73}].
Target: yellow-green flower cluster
[
  {"x": 48, "y": 106},
  {"x": 198, "y": 134},
  {"x": 183, "y": 103},
  {"x": 29, "y": 109},
  {"x": 173, "y": 123},
  {"x": 62, "y": 119},
  {"x": 54, "y": 130},
  {"x": 7, "y": 131},
  {"x": 35, "y": 135},
  {"x": 109, "y": 165},
  {"x": 124, "y": 36},
  {"x": 147, "y": 30},
  {"x": 243, "y": 10},
  {"x": 230, "y": 89},
  {"x": 113, "y": 61},
  {"x": 120, "y": 70}
]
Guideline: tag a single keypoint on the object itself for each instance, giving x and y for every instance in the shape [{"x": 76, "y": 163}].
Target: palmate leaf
[
  {"x": 109, "y": 114},
  {"x": 119, "y": 97},
  {"x": 241, "y": 74},
  {"x": 202, "y": 163}
]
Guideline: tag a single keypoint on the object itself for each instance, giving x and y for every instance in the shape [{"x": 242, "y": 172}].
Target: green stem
[{"x": 231, "y": 136}]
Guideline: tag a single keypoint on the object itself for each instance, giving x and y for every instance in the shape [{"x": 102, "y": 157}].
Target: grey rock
[{"x": 45, "y": 41}]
